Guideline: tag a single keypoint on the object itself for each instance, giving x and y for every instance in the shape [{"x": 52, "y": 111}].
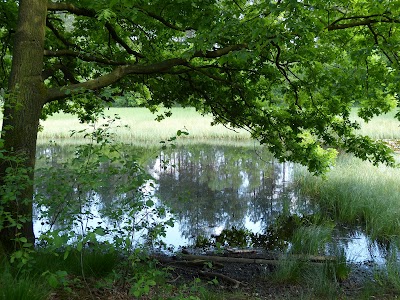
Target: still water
[{"x": 208, "y": 188}]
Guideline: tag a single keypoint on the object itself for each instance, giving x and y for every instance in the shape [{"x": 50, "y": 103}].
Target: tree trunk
[{"x": 22, "y": 110}]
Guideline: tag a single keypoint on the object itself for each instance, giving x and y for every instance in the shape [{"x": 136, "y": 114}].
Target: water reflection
[{"x": 209, "y": 188}]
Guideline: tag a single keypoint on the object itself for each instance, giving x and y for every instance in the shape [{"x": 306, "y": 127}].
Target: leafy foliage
[
  {"x": 15, "y": 180},
  {"x": 97, "y": 231},
  {"x": 287, "y": 71},
  {"x": 67, "y": 208}
]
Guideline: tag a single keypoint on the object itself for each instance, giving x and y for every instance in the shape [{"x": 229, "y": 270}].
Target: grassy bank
[
  {"x": 138, "y": 125},
  {"x": 358, "y": 193},
  {"x": 141, "y": 127}
]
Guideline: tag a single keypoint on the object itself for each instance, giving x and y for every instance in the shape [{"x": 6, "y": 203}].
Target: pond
[{"x": 209, "y": 189}]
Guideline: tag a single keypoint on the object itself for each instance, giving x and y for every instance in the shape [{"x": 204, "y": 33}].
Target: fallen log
[
  {"x": 240, "y": 251},
  {"x": 223, "y": 259},
  {"x": 235, "y": 283},
  {"x": 262, "y": 261},
  {"x": 196, "y": 263},
  {"x": 314, "y": 258}
]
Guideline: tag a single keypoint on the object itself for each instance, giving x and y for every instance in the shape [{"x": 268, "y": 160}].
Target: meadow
[
  {"x": 138, "y": 126},
  {"x": 381, "y": 127}
]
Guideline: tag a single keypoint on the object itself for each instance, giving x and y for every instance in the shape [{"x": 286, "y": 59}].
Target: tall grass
[
  {"x": 138, "y": 125},
  {"x": 311, "y": 239},
  {"x": 381, "y": 127},
  {"x": 21, "y": 289},
  {"x": 22, "y": 286},
  {"x": 142, "y": 126},
  {"x": 355, "y": 192}
]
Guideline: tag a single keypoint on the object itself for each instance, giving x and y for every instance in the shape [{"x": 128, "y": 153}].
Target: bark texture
[{"x": 22, "y": 110}]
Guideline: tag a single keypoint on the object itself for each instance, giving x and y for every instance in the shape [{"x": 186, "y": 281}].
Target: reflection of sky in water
[
  {"x": 359, "y": 248},
  {"x": 253, "y": 226},
  {"x": 225, "y": 189},
  {"x": 97, "y": 218}
]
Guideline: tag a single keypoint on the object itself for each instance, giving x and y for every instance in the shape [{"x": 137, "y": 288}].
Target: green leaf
[
  {"x": 151, "y": 282},
  {"x": 100, "y": 231},
  {"x": 53, "y": 281},
  {"x": 135, "y": 292},
  {"x": 23, "y": 240},
  {"x": 18, "y": 254},
  {"x": 79, "y": 246}
]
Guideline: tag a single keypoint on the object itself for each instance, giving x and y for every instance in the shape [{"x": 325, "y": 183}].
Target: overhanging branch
[
  {"x": 360, "y": 21},
  {"x": 58, "y": 35},
  {"x": 220, "y": 52},
  {"x": 83, "y": 56},
  {"x": 120, "y": 41},
  {"x": 162, "y": 20},
  {"x": 121, "y": 71},
  {"x": 108, "y": 79},
  {"x": 64, "y": 6},
  {"x": 79, "y": 11}
]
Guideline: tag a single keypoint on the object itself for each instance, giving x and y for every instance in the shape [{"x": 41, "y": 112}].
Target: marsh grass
[
  {"x": 385, "y": 283},
  {"x": 318, "y": 281},
  {"x": 321, "y": 285},
  {"x": 138, "y": 126},
  {"x": 387, "y": 277},
  {"x": 381, "y": 127},
  {"x": 358, "y": 193},
  {"x": 311, "y": 239},
  {"x": 289, "y": 271}
]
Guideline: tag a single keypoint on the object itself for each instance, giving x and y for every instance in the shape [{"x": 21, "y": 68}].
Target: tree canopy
[{"x": 288, "y": 71}]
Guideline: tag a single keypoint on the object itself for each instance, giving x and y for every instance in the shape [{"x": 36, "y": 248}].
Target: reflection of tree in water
[
  {"x": 108, "y": 191},
  {"x": 275, "y": 195},
  {"x": 210, "y": 187},
  {"x": 201, "y": 190}
]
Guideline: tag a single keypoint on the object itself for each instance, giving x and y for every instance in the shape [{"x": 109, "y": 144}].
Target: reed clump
[{"x": 358, "y": 193}]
